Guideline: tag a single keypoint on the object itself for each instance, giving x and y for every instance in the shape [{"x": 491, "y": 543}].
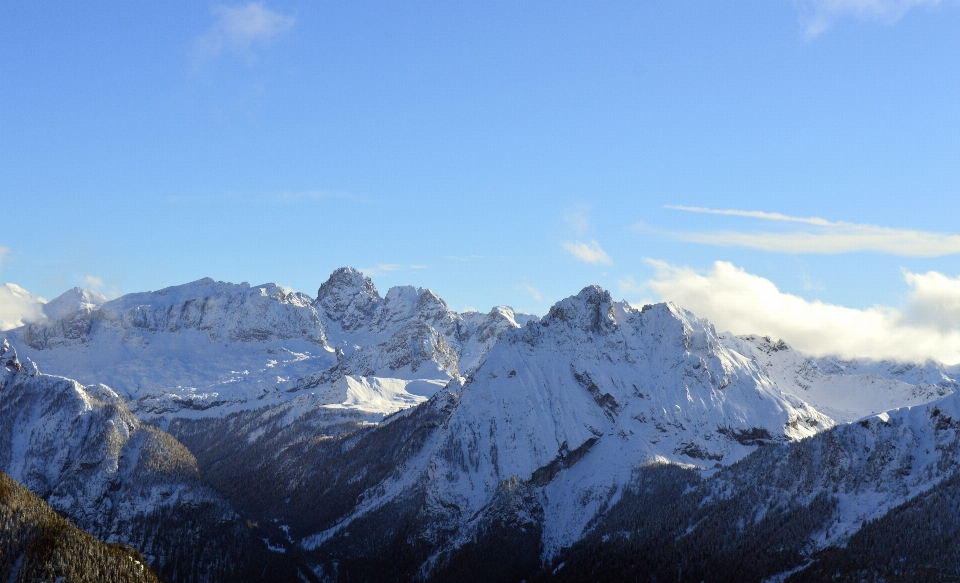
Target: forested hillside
[{"x": 37, "y": 544}]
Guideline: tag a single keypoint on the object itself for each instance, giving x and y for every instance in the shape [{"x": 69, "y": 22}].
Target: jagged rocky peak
[
  {"x": 502, "y": 312},
  {"x": 348, "y": 297},
  {"x": 591, "y": 310},
  {"x": 431, "y": 305},
  {"x": 766, "y": 344},
  {"x": 8, "y": 356},
  {"x": 11, "y": 366},
  {"x": 507, "y": 315},
  {"x": 681, "y": 325},
  {"x": 594, "y": 312},
  {"x": 417, "y": 343},
  {"x": 401, "y": 302},
  {"x": 479, "y": 332},
  {"x": 499, "y": 318},
  {"x": 73, "y": 300},
  {"x": 404, "y": 303}
]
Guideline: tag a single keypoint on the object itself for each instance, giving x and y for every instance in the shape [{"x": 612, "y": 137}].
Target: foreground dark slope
[
  {"x": 917, "y": 541},
  {"x": 37, "y": 544},
  {"x": 81, "y": 450},
  {"x": 645, "y": 538}
]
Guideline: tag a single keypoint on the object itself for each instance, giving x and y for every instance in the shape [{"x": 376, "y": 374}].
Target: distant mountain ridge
[
  {"x": 206, "y": 347},
  {"x": 18, "y": 307},
  {"x": 848, "y": 390}
]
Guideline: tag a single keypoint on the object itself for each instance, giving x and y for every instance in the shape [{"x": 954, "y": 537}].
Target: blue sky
[{"x": 503, "y": 153}]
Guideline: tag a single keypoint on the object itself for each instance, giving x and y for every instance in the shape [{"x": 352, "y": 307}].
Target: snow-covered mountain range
[
  {"x": 575, "y": 402},
  {"x": 356, "y": 428},
  {"x": 209, "y": 347}
]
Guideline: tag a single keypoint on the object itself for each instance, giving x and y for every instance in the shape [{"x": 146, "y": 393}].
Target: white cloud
[
  {"x": 928, "y": 326},
  {"x": 934, "y": 301},
  {"x": 240, "y": 28},
  {"x": 18, "y": 306},
  {"x": 754, "y": 214},
  {"x": 94, "y": 282},
  {"x": 534, "y": 292},
  {"x": 820, "y": 15},
  {"x": 579, "y": 220},
  {"x": 588, "y": 252},
  {"x": 830, "y": 237},
  {"x": 381, "y": 269}
]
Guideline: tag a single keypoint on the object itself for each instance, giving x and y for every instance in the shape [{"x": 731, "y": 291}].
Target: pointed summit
[
  {"x": 72, "y": 301},
  {"x": 8, "y": 356},
  {"x": 591, "y": 310},
  {"x": 348, "y": 297}
]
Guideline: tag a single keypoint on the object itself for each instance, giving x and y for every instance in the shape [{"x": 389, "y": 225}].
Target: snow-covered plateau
[{"x": 355, "y": 429}]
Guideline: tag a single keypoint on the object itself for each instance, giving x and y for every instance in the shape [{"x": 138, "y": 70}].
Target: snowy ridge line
[{"x": 208, "y": 348}]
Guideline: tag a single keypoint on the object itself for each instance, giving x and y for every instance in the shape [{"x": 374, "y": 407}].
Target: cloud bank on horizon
[{"x": 927, "y": 326}]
